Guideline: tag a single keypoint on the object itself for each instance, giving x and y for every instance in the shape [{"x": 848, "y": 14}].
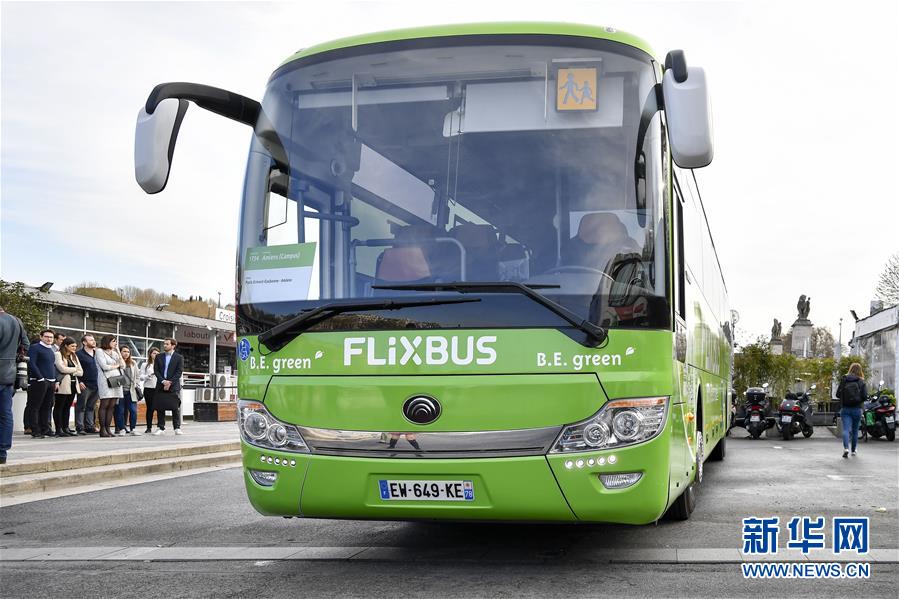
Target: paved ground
[
  {"x": 192, "y": 519},
  {"x": 27, "y": 449}
]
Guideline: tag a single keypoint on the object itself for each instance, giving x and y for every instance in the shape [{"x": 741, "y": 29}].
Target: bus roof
[{"x": 521, "y": 28}]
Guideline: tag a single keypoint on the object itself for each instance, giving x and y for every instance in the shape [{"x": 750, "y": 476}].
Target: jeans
[
  {"x": 6, "y": 393},
  {"x": 84, "y": 409},
  {"x": 125, "y": 408},
  {"x": 851, "y": 418},
  {"x": 39, "y": 405}
]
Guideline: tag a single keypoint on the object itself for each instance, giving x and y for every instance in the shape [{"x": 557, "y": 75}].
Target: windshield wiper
[
  {"x": 280, "y": 335},
  {"x": 595, "y": 333}
]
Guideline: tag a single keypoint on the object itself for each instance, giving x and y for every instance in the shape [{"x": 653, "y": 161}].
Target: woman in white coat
[{"x": 110, "y": 368}]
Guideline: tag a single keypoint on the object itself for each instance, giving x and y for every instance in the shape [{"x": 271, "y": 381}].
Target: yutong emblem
[{"x": 421, "y": 409}]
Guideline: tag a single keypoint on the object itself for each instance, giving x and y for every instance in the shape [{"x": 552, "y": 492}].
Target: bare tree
[
  {"x": 888, "y": 284},
  {"x": 821, "y": 343}
]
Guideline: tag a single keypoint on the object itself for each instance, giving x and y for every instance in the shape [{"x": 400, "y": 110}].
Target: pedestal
[
  {"x": 802, "y": 335},
  {"x": 776, "y": 347},
  {"x": 215, "y": 411}
]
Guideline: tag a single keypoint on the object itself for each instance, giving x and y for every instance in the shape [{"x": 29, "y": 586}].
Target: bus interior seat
[
  {"x": 482, "y": 248},
  {"x": 600, "y": 236},
  {"x": 514, "y": 264},
  {"x": 404, "y": 264}
]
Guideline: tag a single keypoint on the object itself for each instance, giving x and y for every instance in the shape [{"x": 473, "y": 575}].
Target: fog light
[
  {"x": 569, "y": 464},
  {"x": 601, "y": 461},
  {"x": 612, "y": 459},
  {"x": 264, "y": 478},
  {"x": 579, "y": 463},
  {"x": 591, "y": 462},
  {"x": 619, "y": 481}
]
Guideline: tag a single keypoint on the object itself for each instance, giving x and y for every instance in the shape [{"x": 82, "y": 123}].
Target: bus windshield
[{"x": 506, "y": 160}]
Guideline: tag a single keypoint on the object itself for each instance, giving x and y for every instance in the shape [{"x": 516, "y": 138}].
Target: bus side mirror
[
  {"x": 688, "y": 112},
  {"x": 154, "y": 143}
]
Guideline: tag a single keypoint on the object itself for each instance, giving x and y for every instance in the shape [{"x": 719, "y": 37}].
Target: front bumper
[{"x": 532, "y": 488}]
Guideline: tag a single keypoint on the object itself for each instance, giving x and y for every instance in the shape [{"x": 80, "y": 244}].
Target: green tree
[{"x": 20, "y": 301}]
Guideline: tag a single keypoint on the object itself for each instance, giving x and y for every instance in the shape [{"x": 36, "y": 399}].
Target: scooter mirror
[
  {"x": 765, "y": 386},
  {"x": 813, "y": 387},
  {"x": 881, "y": 382}
]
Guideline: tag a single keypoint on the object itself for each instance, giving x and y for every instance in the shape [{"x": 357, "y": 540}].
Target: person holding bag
[
  {"x": 148, "y": 384},
  {"x": 69, "y": 373},
  {"x": 126, "y": 409},
  {"x": 852, "y": 394},
  {"x": 110, "y": 380}
]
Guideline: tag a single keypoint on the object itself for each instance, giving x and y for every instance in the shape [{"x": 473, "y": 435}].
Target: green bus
[{"x": 475, "y": 280}]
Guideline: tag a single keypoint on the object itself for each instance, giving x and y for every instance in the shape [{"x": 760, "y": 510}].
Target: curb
[
  {"x": 91, "y": 460},
  {"x": 409, "y": 554},
  {"x": 76, "y": 477}
]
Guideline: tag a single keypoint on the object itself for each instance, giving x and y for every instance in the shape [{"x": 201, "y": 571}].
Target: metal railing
[{"x": 211, "y": 387}]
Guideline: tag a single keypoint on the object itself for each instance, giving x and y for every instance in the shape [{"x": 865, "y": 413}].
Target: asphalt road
[{"x": 767, "y": 477}]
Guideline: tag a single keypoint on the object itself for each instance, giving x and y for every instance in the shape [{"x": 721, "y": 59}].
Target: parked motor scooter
[
  {"x": 795, "y": 415},
  {"x": 757, "y": 421},
  {"x": 879, "y": 418}
]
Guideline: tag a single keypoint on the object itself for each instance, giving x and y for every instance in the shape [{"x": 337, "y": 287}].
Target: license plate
[
  {"x": 426, "y": 490},
  {"x": 890, "y": 419},
  {"x": 754, "y": 418},
  {"x": 786, "y": 419}
]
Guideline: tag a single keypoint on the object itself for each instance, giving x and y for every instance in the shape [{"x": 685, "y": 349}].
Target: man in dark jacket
[
  {"x": 87, "y": 387},
  {"x": 852, "y": 394},
  {"x": 12, "y": 338},
  {"x": 41, "y": 384},
  {"x": 168, "y": 368}
]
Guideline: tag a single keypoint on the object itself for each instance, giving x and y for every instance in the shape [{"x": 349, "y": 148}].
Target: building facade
[
  {"x": 208, "y": 345},
  {"x": 877, "y": 339}
]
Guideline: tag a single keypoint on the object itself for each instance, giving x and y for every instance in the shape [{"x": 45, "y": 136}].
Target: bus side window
[{"x": 680, "y": 299}]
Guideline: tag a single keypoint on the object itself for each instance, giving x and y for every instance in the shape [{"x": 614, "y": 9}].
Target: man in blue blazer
[{"x": 168, "y": 368}]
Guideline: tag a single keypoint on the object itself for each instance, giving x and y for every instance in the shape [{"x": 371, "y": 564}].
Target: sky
[{"x": 798, "y": 197}]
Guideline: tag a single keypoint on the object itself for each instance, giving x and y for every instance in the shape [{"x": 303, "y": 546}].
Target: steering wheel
[{"x": 578, "y": 268}]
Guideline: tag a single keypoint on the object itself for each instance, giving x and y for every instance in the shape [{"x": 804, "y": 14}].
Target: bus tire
[
  {"x": 719, "y": 452},
  {"x": 684, "y": 505}
]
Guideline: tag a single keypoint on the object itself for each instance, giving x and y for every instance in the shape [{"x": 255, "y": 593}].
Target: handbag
[{"x": 115, "y": 381}]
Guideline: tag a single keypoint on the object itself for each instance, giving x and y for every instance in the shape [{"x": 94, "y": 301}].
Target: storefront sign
[
  {"x": 198, "y": 336},
  {"x": 224, "y": 315}
]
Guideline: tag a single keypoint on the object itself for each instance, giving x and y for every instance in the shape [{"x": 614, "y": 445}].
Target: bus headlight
[
  {"x": 258, "y": 427},
  {"x": 619, "y": 422}
]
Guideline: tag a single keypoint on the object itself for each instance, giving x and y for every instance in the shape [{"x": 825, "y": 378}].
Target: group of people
[{"x": 104, "y": 383}]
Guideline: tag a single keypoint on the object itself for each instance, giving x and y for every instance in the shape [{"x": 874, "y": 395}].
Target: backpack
[{"x": 852, "y": 394}]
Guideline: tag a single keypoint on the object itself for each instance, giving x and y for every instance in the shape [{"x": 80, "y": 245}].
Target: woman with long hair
[
  {"x": 69, "y": 374},
  {"x": 148, "y": 384},
  {"x": 126, "y": 409},
  {"x": 110, "y": 379},
  {"x": 852, "y": 394}
]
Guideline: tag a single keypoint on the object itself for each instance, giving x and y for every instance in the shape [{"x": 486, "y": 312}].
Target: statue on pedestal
[
  {"x": 775, "y": 330},
  {"x": 803, "y": 307}
]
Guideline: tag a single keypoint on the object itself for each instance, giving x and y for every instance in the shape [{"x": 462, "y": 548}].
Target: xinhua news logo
[{"x": 806, "y": 534}]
